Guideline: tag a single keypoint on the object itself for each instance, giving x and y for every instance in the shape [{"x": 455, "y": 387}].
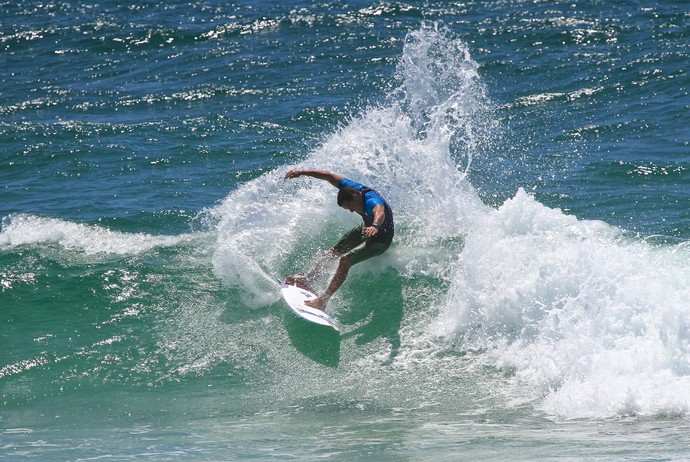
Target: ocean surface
[{"x": 535, "y": 304}]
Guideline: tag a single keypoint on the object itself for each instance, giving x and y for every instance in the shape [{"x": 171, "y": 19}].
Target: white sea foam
[{"x": 596, "y": 323}]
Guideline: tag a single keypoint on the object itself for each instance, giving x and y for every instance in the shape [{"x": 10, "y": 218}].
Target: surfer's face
[{"x": 352, "y": 206}]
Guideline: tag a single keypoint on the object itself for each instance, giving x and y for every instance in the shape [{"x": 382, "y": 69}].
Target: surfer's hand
[
  {"x": 370, "y": 231},
  {"x": 292, "y": 174}
]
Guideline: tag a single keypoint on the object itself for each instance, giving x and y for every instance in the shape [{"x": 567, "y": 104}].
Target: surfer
[{"x": 367, "y": 240}]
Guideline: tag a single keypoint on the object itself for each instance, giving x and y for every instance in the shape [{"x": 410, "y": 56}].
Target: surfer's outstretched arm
[{"x": 332, "y": 178}]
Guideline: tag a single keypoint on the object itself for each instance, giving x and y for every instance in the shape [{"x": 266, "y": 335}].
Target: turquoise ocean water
[{"x": 534, "y": 306}]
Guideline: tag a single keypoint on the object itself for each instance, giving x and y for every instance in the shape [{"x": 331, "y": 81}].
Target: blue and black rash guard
[{"x": 372, "y": 199}]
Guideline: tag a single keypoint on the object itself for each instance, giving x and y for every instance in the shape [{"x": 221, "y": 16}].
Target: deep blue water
[{"x": 534, "y": 303}]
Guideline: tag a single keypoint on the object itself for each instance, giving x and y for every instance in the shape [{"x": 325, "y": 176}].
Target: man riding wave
[{"x": 371, "y": 238}]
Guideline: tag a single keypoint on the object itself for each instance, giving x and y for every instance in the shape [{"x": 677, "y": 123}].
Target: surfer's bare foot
[{"x": 319, "y": 303}]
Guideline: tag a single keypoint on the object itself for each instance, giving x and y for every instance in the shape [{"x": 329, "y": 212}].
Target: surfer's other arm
[{"x": 332, "y": 178}]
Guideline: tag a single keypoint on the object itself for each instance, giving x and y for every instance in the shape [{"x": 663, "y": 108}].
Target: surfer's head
[
  {"x": 348, "y": 194},
  {"x": 350, "y": 199}
]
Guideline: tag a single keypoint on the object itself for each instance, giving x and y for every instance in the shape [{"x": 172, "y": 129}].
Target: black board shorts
[{"x": 358, "y": 248}]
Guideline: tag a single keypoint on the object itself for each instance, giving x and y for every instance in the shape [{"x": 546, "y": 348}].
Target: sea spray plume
[
  {"x": 418, "y": 147},
  {"x": 448, "y": 116},
  {"x": 443, "y": 94},
  {"x": 407, "y": 148}
]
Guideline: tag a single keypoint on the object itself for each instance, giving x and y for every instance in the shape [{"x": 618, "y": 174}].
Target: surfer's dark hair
[{"x": 348, "y": 193}]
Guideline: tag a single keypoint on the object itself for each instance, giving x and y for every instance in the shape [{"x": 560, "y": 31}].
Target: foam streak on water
[{"x": 21, "y": 230}]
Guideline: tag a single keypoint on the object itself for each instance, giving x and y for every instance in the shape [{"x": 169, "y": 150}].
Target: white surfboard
[{"x": 295, "y": 297}]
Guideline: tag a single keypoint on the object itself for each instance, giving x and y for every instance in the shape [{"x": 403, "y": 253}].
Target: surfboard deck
[{"x": 296, "y": 296}]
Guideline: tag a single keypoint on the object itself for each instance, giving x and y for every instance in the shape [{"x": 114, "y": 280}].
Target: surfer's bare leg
[
  {"x": 349, "y": 241},
  {"x": 318, "y": 267},
  {"x": 306, "y": 280},
  {"x": 333, "y": 286}
]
